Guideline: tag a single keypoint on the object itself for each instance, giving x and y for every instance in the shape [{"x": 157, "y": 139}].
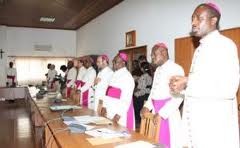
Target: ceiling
[{"x": 68, "y": 14}]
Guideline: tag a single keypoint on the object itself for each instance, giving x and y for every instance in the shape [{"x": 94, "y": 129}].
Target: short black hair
[
  {"x": 63, "y": 68},
  {"x": 146, "y": 67},
  {"x": 212, "y": 12}
]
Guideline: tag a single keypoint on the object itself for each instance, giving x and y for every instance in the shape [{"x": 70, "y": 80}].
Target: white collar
[
  {"x": 165, "y": 64},
  {"x": 210, "y": 36}
]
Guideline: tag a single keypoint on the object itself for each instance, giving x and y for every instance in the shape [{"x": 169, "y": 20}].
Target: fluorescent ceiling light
[{"x": 47, "y": 19}]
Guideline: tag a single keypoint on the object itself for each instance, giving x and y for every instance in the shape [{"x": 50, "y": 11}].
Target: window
[{"x": 32, "y": 70}]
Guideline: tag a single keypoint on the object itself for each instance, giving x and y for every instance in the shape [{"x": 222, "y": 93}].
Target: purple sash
[
  {"x": 164, "y": 133},
  {"x": 116, "y": 94},
  {"x": 78, "y": 83},
  {"x": 84, "y": 95},
  {"x": 68, "y": 89},
  {"x": 12, "y": 78},
  {"x": 113, "y": 92}
]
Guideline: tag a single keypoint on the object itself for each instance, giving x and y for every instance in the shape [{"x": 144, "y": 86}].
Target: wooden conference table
[{"x": 52, "y": 136}]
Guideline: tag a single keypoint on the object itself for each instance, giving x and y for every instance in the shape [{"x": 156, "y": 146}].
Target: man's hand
[
  {"x": 100, "y": 106},
  {"x": 116, "y": 118},
  {"x": 96, "y": 81},
  {"x": 177, "y": 84},
  {"x": 143, "y": 112},
  {"x": 103, "y": 112},
  {"x": 156, "y": 119}
]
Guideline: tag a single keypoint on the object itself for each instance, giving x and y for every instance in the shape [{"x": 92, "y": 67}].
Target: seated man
[{"x": 118, "y": 102}]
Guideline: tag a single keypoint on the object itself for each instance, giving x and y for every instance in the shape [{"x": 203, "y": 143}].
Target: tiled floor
[{"x": 15, "y": 126}]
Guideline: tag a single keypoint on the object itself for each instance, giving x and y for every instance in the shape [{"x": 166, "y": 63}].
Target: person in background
[
  {"x": 71, "y": 77},
  {"x": 81, "y": 73},
  {"x": 141, "y": 59},
  {"x": 63, "y": 79},
  {"x": 136, "y": 73},
  {"x": 48, "y": 67},
  {"x": 86, "y": 91},
  {"x": 101, "y": 81},
  {"x": 51, "y": 76},
  {"x": 142, "y": 90},
  {"x": 162, "y": 103},
  {"x": 118, "y": 101},
  {"x": 210, "y": 114},
  {"x": 11, "y": 76}
]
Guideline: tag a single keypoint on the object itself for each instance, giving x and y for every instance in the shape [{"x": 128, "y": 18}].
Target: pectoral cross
[{"x": 1, "y": 52}]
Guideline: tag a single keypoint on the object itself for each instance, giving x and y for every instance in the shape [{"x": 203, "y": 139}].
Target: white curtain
[{"x": 32, "y": 70}]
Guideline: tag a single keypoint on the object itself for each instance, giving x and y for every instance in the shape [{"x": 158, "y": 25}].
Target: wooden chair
[{"x": 148, "y": 128}]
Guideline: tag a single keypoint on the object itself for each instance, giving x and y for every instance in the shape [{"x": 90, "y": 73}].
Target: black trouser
[{"x": 138, "y": 103}]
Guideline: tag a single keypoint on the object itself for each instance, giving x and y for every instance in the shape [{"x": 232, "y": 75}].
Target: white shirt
[
  {"x": 51, "y": 74},
  {"x": 100, "y": 88},
  {"x": 71, "y": 75},
  {"x": 123, "y": 80},
  {"x": 11, "y": 72},
  {"x": 214, "y": 71}
]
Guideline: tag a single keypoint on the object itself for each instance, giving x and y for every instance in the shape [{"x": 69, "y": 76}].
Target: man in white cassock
[
  {"x": 161, "y": 101},
  {"x": 86, "y": 90},
  {"x": 11, "y": 76},
  {"x": 71, "y": 77},
  {"x": 118, "y": 101},
  {"x": 81, "y": 73},
  {"x": 101, "y": 81},
  {"x": 78, "y": 63},
  {"x": 210, "y": 115},
  {"x": 51, "y": 76}
]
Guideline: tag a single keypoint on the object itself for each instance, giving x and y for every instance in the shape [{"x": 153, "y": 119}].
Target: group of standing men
[{"x": 210, "y": 108}]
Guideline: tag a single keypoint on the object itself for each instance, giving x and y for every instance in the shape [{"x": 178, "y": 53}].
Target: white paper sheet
[
  {"x": 88, "y": 127},
  {"x": 136, "y": 144},
  {"x": 107, "y": 133},
  {"x": 90, "y": 119}
]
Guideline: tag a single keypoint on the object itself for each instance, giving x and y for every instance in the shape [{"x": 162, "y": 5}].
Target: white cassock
[
  {"x": 122, "y": 80},
  {"x": 210, "y": 109},
  {"x": 51, "y": 76},
  {"x": 87, "y": 98},
  {"x": 160, "y": 91},
  {"x": 11, "y": 76},
  {"x": 81, "y": 72},
  {"x": 100, "y": 89},
  {"x": 71, "y": 77}
]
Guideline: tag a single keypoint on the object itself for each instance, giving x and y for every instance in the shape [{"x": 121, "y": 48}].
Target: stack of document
[
  {"x": 75, "y": 126},
  {"x": 107, "y": 133},
  {"x": 92, "y": 119}
]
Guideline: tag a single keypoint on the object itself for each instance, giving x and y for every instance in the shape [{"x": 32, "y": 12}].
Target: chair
[{"x": 148, "y": 128}]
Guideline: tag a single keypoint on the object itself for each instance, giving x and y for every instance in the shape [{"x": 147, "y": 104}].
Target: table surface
[
  {"x": 11, "y": 93},
  {"x": 70, "y": 140}
]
